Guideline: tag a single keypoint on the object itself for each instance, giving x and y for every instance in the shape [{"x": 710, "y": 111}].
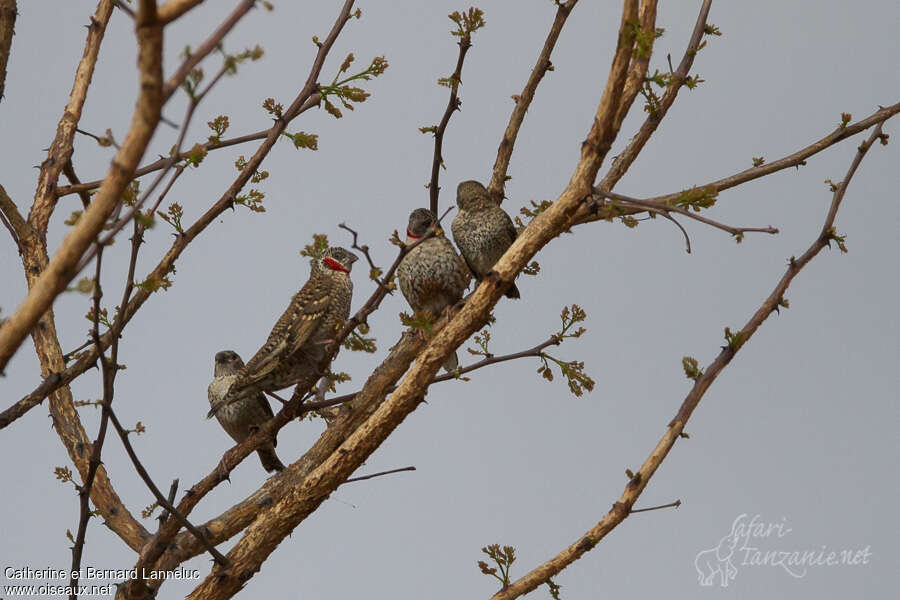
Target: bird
[
  {"x": 432, "y": 276},
  {"x": 297, "y": 342},
  {"x": 482, "y": 230},
  {"x": 240, "y": 419}
]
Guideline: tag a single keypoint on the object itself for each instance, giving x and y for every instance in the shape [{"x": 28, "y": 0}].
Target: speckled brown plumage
[
  {"x": 297, "y": 342},
  {"x": 240, "y": 419},
  {"x": 482, "y": 230},
  {"x": 432, "y": 276}
]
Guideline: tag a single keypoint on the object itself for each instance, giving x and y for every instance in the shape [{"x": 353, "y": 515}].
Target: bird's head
[
  {"x": 471, "y": 195},
  {"x": 227, "y": 363},
  {"x": 419, "y": 222},
  {"x": 338, "y": 259}
]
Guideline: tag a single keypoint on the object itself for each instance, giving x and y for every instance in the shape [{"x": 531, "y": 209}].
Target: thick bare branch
[
  {"x": 627, "y": 157},
  {"x": 55, "y": 275},
  {"x": 277, "y": 520},
  {"x": 65, "y": 419},
  {"x": 623, "y": 507}
]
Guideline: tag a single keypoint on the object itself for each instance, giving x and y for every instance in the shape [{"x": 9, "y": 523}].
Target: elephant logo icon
[{"x": 718, "y": 560}]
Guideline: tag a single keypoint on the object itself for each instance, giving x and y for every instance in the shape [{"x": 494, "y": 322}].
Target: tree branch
[
  {"x": 623, "y": 507},
  {"x": 173, "y": 9},
  {"x": 53, "y": 278},
  {"x": 12, "y": 219},
  {"x": 8, "y": 12},
  {"x": 453, "y": 105},
  {"x": 523, "y": 101},
  {"x": 622, "y": 162},
  {"x": 277, "y": 520}
]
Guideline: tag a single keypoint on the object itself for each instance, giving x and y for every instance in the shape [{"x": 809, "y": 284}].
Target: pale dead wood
[
  {"x": 35, "y": 259},
  {"x": 173, "y": 9},
  {"x": 623, "y": 507},
  {"x": 47, "y": 282}
]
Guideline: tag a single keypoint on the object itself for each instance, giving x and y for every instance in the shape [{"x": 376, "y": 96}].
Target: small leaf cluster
[
  {"x": 697, "y": 198},
  {"x": 503, "y": 557},
  {"x": 172, "y": 216},
  {"x": 233, "y": 60},
  {"x": 536, "y": 209},
  {"x": 85, "y": 285},
  {"x": 482, "y": 339},
  {"x": 219, "y": 126},
  {"x": 467, "y": 23},
  {"x": 573, "y": 371},
  {"x": 691, "y": 368},
  {"x": 348, "y": 94},
  {"x": 302, "y": 139},
  {"x": 358, "y": 342},
  {"x": 155, "y": 283},
  {"x": 420, "y": 320},
  {"x": 252, "y": 199},
  {"x": 102, "y": 317},
  {"x": 317, "y": 248},
  {"x": 569, "y": 317},
  {"x": 643, "y": 41},
  {"x": 131, "y": 193},
  {"x": 63, "y": 474},
  {"x": 845, "y": 119},
  {"x": 832, "y": 234},
  {"x": 734, "y": 340},
  {"x": 147, "y": 512}
]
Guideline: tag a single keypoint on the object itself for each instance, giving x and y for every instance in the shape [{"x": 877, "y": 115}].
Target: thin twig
[
  {"x": 453, "y": 105},
  {"x": 623, "y": 507},
  {"x": 306, "y": 99},
  {"x": 675, "y": 504},
  {"x": 148, "y": 481},
  {"x": 84, "y": 492},
  {"x": 173, "y": 489},
  {"x": 210, "y": 44},
  {"x": 523, "y": 101},
  {"x": 65, "y": 190},
  {"x": 364, "y": 477}
]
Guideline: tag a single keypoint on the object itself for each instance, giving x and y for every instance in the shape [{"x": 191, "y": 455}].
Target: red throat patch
[
  {"x": 334, "y": 265},
  {"x": 413, "y": 237}
]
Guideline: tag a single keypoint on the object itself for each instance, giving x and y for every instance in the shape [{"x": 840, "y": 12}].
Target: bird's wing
[
  {"x": 291, "y": 331},
  {"x": 509, "y": 227},
  {"x": 267, "y": 409}
]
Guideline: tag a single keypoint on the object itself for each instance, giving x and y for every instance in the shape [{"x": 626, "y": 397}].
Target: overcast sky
[{"x": 801, "y": 429}]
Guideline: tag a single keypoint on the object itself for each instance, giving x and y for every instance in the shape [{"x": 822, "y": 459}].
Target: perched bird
[
  {"x": 432, "y": 276},
  {"x": 482, "y": 230},
  {"x": 240, "y": 419},
  {"x": 297, "y": 342}
]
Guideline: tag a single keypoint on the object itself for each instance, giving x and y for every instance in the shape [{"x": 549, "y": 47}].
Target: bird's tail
[
  {"x": 451, "y": 363},
  {"x": 512, "y": 291},
  {"x": 214, "y": 408},
  {"x": 269, "y": 460}
]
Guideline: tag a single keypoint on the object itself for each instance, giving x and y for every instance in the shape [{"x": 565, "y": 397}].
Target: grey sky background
[{"x": 800, "y": 429}]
